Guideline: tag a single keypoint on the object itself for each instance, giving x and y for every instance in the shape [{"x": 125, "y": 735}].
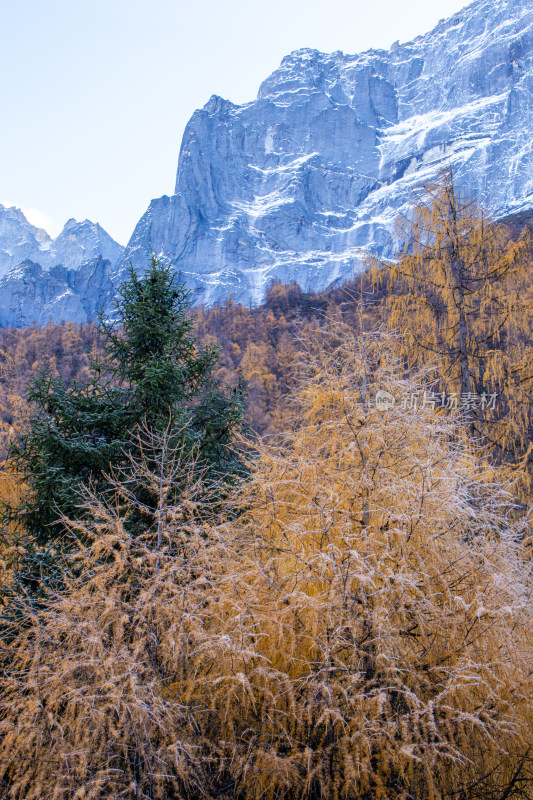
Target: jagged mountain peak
[
  {"x": 77, "y": 242},
  {"x": 14, "y": 215},
  {"x": 19, "y": 239},
  {"x": 306, "y": 180},
  {"x": 63, "y": 278},
  {"x": 81, "y": 225},
  {"x": 81, "y": 241},
  {"x": 303, "y": 182}
]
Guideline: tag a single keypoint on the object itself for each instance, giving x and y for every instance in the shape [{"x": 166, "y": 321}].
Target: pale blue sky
[{"x": 95, "y": 94}]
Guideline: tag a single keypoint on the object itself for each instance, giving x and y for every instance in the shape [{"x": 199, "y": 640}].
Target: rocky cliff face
[
  {"x": 304, "y": 181},
  {"x": 30, "y": 294},
  {"x": 67, "y": 278},
  {"x": 19, "y": 240},
  {"x": 81, "y": 242}
]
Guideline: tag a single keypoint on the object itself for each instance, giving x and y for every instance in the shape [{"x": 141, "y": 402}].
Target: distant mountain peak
[
  {"x": 42, "y": 278},
  {"x": 306, "y": 180}
]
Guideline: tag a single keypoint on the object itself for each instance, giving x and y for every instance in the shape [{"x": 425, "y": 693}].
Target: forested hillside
[
  {"x": 265, "y": 344},
  {"x": 280, "y": 551}
]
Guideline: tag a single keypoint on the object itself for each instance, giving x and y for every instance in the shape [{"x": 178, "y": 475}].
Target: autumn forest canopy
[{"x": 280, "y": 553}]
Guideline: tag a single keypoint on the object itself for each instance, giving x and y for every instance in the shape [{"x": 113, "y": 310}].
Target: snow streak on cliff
[{"x": 305, "y": 180}]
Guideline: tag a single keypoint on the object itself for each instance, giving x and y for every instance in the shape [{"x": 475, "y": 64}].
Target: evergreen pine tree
[{"x": 151, "y": 373}]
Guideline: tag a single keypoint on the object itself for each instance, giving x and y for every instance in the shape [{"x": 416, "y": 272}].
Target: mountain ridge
[
  {"x": 303, "y": 182},
  {"x": 65, "y": 278}
]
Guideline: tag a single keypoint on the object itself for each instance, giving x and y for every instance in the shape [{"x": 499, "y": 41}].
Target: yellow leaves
[
  {"x": 413, "y": 606},
  {"x": 361, "y": 629},
  {"x": 460, "y": 294}
]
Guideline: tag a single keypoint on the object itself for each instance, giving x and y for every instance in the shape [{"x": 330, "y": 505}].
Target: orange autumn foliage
[
  {"x": 357, "y": 625},
  {"x": 460, "y": 291}
]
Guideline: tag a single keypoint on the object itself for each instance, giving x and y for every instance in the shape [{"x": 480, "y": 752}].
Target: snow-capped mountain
[
  {"x": 67, "y": 278},
  {"x": 302, "y": 182},
  {"x": 19, "y": 240},
  {"x": 305, "y": 180},
  {"x": 80, "y": 242}
]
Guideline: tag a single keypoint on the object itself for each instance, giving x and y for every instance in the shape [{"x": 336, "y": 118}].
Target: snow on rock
[
  {"x": 30, "y": 294},
  {"x": 67, "y": 278},
  {"x": 302, "y": 183},
  {"x": 306, "y": 180},
  {"x": 19, "y": 240},
  {"x": 80, "y": 242}
]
